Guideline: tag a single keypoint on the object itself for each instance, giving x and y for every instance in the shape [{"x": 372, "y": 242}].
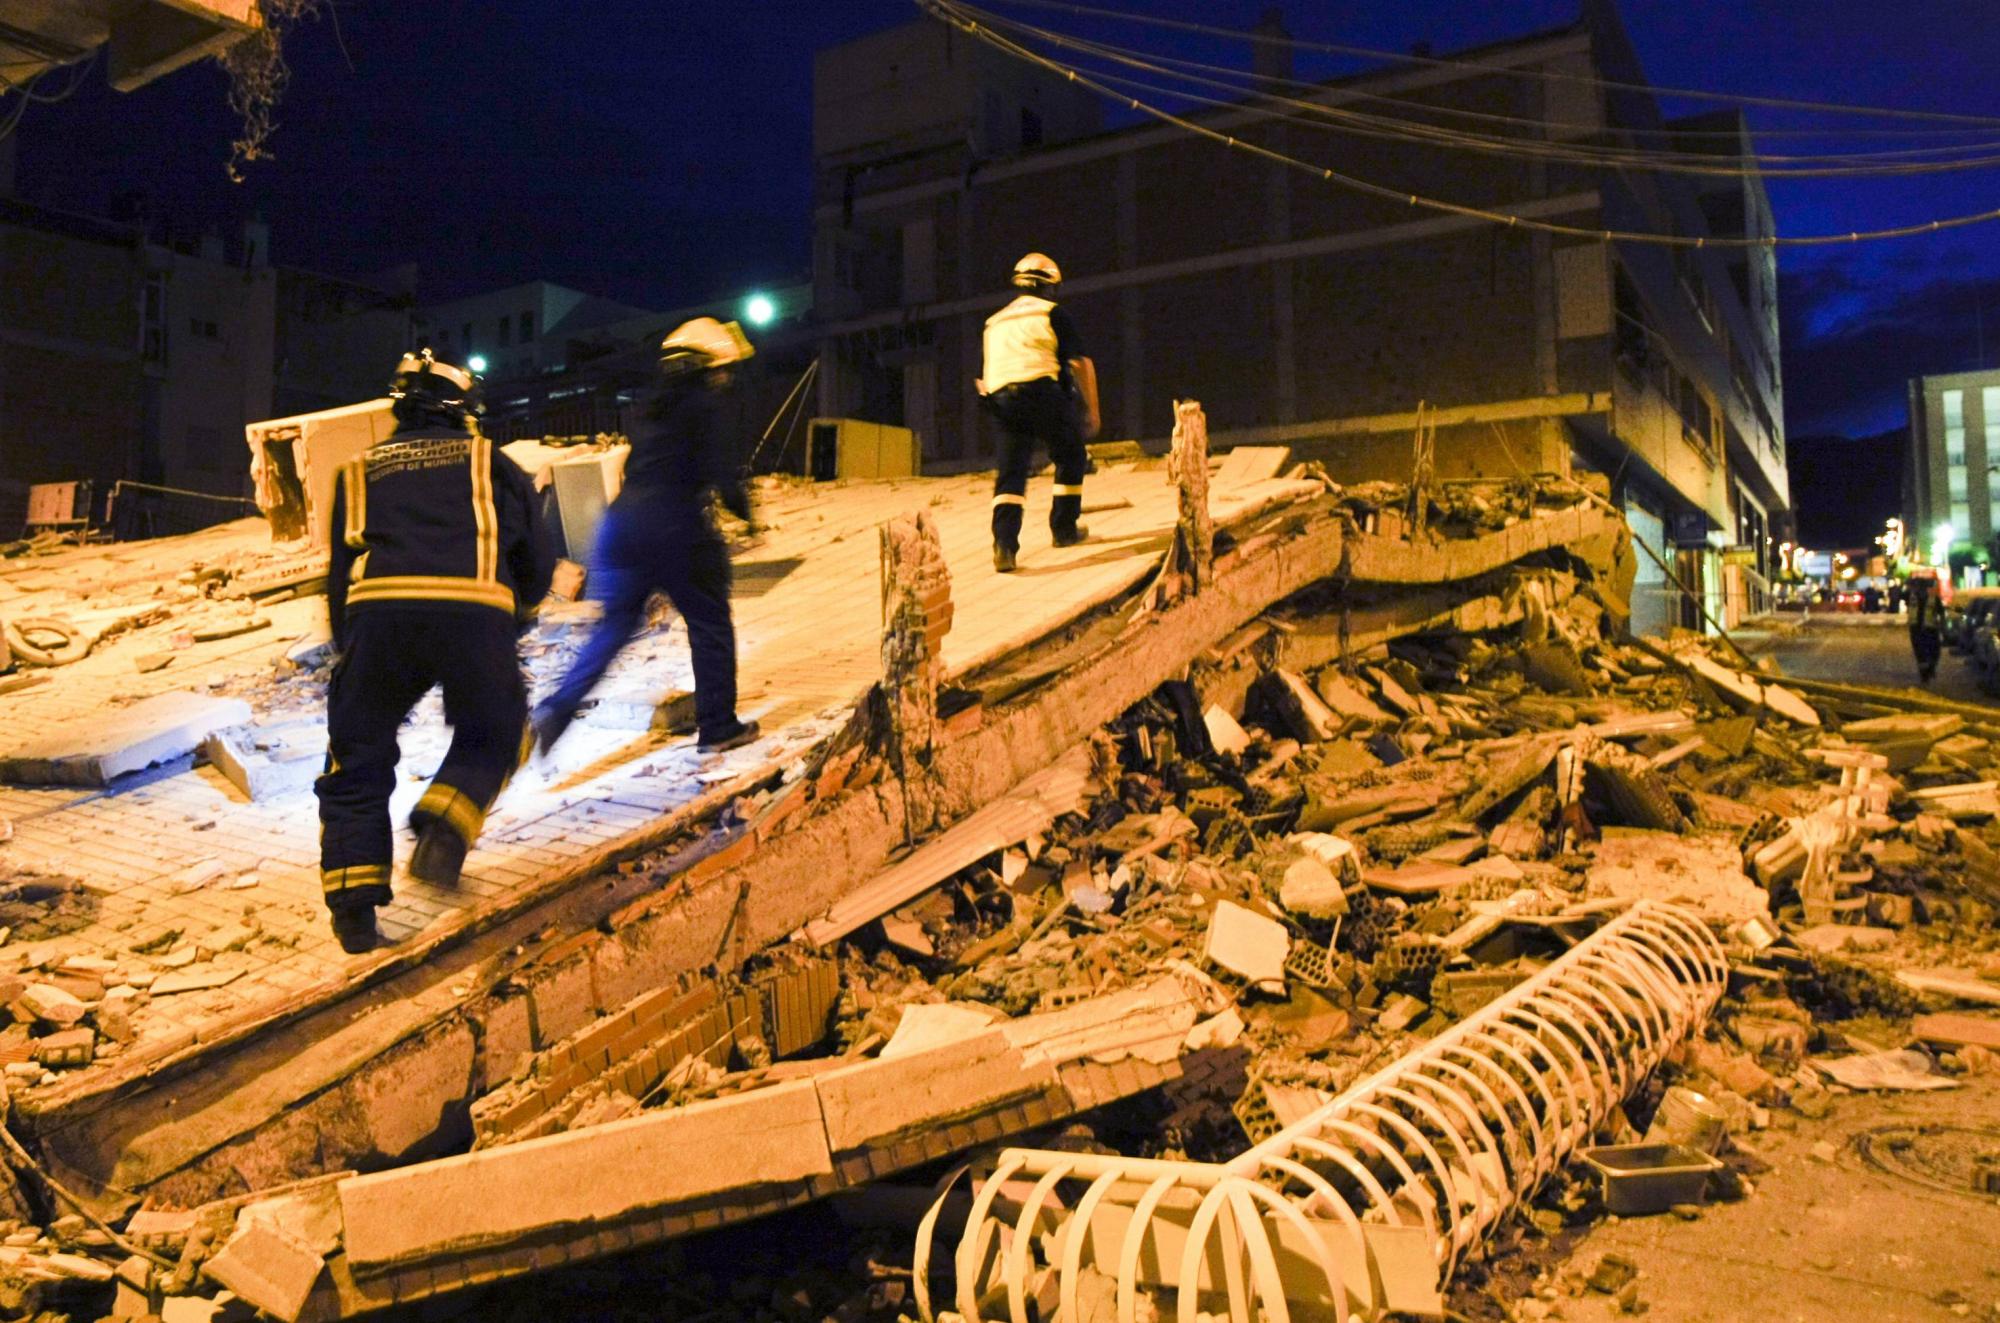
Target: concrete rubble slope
[
  {"x": 211, "y": 1129},
  {"x": 620, "y": 792},
  {"x": 1489, "y": 779}
]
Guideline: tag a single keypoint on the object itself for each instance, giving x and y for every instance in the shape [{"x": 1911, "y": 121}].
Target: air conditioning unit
[{"x": 851, "y": 448}]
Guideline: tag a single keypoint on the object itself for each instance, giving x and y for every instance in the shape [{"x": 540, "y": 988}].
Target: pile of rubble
[{"x": 1250, "y": 893}]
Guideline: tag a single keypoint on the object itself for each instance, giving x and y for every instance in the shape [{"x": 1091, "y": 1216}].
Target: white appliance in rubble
[{"x": 293, "y": 462}]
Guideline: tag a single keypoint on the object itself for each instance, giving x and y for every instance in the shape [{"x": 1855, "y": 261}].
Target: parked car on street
[{"x": 1971, "y": 610}]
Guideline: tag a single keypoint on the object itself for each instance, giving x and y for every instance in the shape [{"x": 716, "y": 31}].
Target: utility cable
[
  {"x": 951, "y": 14},
  {"x": 1537, "y": 125},
  {"x": 1675, "y": 134},
  {"x": 1546, "y": 75},
  {"x": 1852, "y": 164},
  {"x": 1560, "y": 154}
]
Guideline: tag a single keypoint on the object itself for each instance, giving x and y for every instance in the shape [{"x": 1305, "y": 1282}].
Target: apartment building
[{"x": 1302, "y": 313}]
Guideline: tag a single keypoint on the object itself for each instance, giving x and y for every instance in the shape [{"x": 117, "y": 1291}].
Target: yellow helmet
[
  {"x": 1036, "y": 270},
  {"x": 704, "y": 343}
]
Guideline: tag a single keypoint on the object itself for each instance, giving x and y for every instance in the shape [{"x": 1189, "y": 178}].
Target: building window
[
  {"x": 1958, "y": 482},
  {"x": 1954, "y": 408},
  {"x": 1961, "y": 521},
  {"x": 204, "y": 330},
  {"x": 506, "y": 331},
  {"x": 1989, "y": 411},
  {"x": 527, "y": 327}
]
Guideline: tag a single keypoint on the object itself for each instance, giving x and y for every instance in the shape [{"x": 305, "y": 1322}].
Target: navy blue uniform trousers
[
  {"x": 393, "y": 656},
  {"x": 648, "y": 545},
  {"x": 1036, "y": 413}
]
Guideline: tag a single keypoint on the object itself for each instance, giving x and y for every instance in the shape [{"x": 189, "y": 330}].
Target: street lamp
[
  {"x": 477, "y": 362},
  {"x": 760, "y": 310}
]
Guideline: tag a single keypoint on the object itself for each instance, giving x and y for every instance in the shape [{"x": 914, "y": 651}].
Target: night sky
[{"x": 659, "y": 153}]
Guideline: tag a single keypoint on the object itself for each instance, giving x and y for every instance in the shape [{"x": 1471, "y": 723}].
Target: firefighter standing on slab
[
  {"x": 439, "y": 557},
  {"x": 1044, "y": 391}
]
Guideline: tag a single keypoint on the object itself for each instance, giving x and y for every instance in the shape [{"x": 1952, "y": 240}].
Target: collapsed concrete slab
[
  {"x": 97, "y": 751},
  {"x": 390, "y": 1082}
]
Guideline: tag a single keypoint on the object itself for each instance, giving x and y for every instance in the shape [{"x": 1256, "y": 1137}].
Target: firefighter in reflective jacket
[
  {"x": 439, "y": 558},
  {"x": 1043, "y": 390}
]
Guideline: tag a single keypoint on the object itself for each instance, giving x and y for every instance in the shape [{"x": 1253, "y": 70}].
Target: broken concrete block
[
  {"x": 1704, "y": 872},
  {"x": 1311, "y": 891},
  {"x": 1948, "y": 1030},
  {"x": 67, "y": 1047},
  {"x": 1785, "y": 703},
  {"x": 1146, "y": 1022},
  {"x": 1247, "y": 464},
  {"x": 1554, "y": 667},
  {"x": 908, "y": 937},
  {"x": 1890, "y": 911},
  {"x": 1830, "y": 937},
  {"x": 1770, "y": 1037},
  {"x": 46, "y": 1002},
  {"x": 268, "y": 1268},
  {"x": 1735, "y": 1071},
  {"x": 771, "y": 1136},
  {"x": 1306, "y": 715},
  {"x": 925, "y": 1025},
  {"x": 267, "y": 761},
  {"x": 194, "y": 979},
  {"x": 1400, "y": 1013},
  {"x": 93, "y": 751},
  {"x": 874, "y": 1100},
  {"x": 1225, "y": 733},
  {"x": 1738, "y": 689},
  {"x": 1247, "y": 944},
  {"x": 1612, "y": 1273},
  {"x": 1348, "y": 699}
]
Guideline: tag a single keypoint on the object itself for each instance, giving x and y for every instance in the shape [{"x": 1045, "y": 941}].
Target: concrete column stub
[
  {"x": 916, "y": 615},
  {"x": 1187, "y": 466}
]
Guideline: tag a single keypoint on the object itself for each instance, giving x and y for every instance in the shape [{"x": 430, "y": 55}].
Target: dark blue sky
[{"x": 659, "y": 153}]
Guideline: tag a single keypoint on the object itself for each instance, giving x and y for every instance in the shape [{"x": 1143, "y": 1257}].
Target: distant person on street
[
  {"x": 657, "y": 536},
  {"x": 1043, "y": 390},
  {"x": 1926, "y": 624},
  {"x": 439, "y": 557}
]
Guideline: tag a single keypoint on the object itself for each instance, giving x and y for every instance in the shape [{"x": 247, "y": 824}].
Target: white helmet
[
  {"x": 704, "y": 343},
  {"x": 1036, "y": 270}
]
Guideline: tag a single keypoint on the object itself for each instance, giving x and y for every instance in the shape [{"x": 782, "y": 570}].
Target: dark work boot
[
  {"x": 439, "y": 855},
  {"x": 548, "y": 725},
  {"x": 734, "y": 736},
  {"x": 1080, "y": 533},
  {"x": 1003, "y": 559},
  {"x": 354, "y": 926}
]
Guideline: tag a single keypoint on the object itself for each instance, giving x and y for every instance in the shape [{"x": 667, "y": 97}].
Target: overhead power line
[
  {"x": 953, "y": 14},
  {"x": 1908, "y": 161},
  {"x": 1325, "y": 117},
  {"x": 1513, "y": 71}
]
